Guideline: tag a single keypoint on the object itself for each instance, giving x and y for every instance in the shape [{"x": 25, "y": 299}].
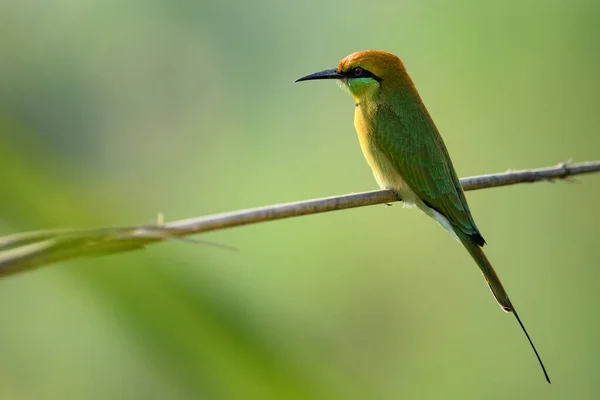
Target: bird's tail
[
  {"x": 489, "y": 274},
  {"x": 497, "y": 289}
]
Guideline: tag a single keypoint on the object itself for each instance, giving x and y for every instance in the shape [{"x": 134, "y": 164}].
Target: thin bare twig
[
  {"x": 295, "y": 209},
  {"x": 23, "y": 251}
]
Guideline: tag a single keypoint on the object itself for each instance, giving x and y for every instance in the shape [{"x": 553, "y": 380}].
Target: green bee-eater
[{"x": 407, "y": 154}]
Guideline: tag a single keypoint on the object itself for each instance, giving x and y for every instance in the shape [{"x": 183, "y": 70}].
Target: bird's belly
[{"x": 388, "y": 177}]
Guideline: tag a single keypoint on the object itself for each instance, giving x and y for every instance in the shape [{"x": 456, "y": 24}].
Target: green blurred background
[{"x": 112, "y": 111}]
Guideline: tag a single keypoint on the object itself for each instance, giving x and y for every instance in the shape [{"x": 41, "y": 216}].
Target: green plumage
[
  {"x": 407, "y": 135},
  {"x": 407, "y": 154},
  {"x": 403, "y": 130}
]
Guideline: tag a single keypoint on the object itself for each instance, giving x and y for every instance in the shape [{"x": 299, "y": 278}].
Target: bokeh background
[{"x": 112, "y": 111}]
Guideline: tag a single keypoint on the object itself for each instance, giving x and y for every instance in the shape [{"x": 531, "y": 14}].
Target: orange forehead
[{"x": 376, "y": 61}]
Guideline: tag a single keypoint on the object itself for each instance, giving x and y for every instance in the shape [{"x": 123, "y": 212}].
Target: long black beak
[{"x": 325, "y": 74}]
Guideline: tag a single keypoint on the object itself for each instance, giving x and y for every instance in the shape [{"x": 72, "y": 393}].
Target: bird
[{"x": 407, "y": 154}]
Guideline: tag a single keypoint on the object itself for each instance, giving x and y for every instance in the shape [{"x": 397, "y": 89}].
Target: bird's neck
[{"x": 400, "y": 98}]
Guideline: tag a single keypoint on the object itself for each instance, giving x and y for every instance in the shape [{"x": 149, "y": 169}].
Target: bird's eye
[{"x": 358, "y": 71}]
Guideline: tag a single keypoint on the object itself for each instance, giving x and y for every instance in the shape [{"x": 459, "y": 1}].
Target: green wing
[{"x": 413, "y": 144}]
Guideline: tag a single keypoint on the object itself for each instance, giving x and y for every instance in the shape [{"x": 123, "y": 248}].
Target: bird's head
[{"x": 364, "y": 73}]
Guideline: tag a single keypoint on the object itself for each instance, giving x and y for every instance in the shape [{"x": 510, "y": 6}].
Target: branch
[{"x": 23, "y": 251}]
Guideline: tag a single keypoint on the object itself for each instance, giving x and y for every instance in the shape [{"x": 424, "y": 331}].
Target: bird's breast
[{"x": 384, "y": 171}]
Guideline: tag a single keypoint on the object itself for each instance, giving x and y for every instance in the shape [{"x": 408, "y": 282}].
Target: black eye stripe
[{"x": 358, "y": 72}]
